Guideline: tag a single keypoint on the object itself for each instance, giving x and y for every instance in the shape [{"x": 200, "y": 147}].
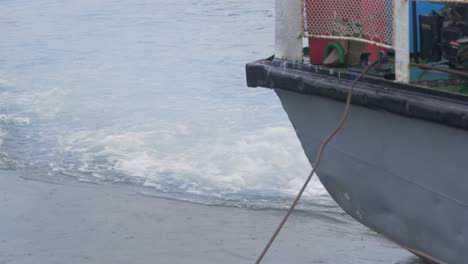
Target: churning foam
[{"x": 268, "y": 160}]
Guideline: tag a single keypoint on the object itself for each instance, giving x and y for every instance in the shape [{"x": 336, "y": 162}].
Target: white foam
[
  {"x": 6, "y": 118},
  {"x": 43, "y": 103},
  {"x": 264, "y": 160}
]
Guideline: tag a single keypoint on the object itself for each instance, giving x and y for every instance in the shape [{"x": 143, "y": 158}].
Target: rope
[
  {"x": 435, "y": 68},
  {"x": 316, "y": 163}
]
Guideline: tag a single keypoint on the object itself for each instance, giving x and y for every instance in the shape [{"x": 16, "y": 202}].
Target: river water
[{"x": 151, "y": 94}]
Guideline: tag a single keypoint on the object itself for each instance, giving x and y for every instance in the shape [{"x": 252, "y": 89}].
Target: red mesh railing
[{"x": 369, "y": 21}]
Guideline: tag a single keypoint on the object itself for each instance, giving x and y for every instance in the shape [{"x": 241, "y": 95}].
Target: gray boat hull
[{"x": 402, "y": 177}]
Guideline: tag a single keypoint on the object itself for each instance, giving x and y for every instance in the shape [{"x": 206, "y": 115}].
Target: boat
[{"x": 400, "y": 163}]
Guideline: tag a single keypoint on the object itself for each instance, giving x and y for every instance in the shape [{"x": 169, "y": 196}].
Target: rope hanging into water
[{"x": 316, "y": 163}]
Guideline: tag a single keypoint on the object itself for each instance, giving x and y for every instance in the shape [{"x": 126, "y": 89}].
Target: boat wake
[{"x": 257, "y": 169}]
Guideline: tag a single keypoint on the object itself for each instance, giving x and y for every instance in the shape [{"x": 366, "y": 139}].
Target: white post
[
  {"x": 401, "y": 40},
  {"x": 288, "y": 40}
]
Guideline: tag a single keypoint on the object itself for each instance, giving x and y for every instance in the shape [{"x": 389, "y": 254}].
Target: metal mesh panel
[{"x": 369, "y": 21}]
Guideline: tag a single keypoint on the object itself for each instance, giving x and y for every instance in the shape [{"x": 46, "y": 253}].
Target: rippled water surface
[{"x": 149, "y": 94}]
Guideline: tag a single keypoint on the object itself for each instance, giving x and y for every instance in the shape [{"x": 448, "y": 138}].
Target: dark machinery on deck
[{"x": 444, "y": 35}]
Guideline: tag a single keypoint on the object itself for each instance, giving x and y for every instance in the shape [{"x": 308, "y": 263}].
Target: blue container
[{"x": 423, "y": 8}]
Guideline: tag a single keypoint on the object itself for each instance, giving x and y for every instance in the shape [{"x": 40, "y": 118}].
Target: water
[{"x": 149, "y": 94}]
